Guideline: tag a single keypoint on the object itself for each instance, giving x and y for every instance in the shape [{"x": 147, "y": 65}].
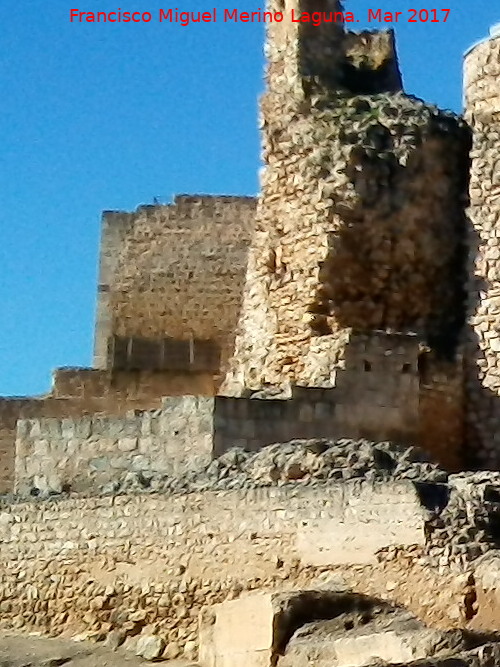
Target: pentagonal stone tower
[
  {"x": 482, "y": 102},
  {"x": 360, "y": 224}
]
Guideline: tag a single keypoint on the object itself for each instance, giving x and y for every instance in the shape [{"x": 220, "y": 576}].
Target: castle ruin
[{"x": 342, "y": 332}]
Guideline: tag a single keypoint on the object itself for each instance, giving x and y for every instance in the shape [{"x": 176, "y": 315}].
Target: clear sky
[{"x": 109, "y": 116}]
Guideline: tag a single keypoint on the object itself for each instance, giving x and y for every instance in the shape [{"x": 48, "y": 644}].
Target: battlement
[
  {"x": 183, "y": 209},
  {"x": 302, "y": 57},
  {"x": 370, "y": 62}
]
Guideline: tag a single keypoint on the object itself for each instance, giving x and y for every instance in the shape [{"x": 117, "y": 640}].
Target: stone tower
[
  {"x": 482, "y": 103},
  {"x": 360, "y": 224}
]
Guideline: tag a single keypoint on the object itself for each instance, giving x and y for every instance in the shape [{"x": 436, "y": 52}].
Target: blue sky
[{"x": 109, "y": 116}]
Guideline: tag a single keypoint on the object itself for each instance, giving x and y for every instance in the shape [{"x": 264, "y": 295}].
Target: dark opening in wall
[
  {"x": 362, "y": 80},
  {"x": 406, "y": 368},
  {"x": 367, "y": 366}
]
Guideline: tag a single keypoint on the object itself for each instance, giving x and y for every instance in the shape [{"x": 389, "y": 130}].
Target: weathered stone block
[
  {"x": 239, "y": 632},
  {"x": 127, "y": 444}
]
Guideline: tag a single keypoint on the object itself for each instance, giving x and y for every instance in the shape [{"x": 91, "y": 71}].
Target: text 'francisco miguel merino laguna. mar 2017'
[{"x": 234, "y": 15}]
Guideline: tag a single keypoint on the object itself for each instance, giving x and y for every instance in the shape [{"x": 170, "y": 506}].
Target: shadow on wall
[
  {"x": 397, "y": 263},
  {"x": 305, "y": 606},
  {"x": 418, "y": 276}
]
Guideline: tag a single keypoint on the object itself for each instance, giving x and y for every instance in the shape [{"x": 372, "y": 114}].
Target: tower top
[
  {"x": 495, "y": 30},
  {"x": 494, "y": 33}
]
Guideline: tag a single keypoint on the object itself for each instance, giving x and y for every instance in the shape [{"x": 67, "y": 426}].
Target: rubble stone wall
[
  {"x": 87, "y": 453},
  {"x": 482, "y": 101},
  {"x": 360, "y": 230},
  {"x": 79, "y": 392},
  {"x": 174, "y": 271},
  {"x": 94, "y": 564}
]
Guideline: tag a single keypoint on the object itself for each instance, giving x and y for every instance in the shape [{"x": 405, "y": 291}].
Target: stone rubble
[{"x": 305, "y": 461}]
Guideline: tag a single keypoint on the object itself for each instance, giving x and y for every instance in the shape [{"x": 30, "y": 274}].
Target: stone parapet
[{"x": 78, "y": 392}]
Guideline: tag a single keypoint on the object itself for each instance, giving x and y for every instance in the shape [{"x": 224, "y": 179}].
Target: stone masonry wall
[
  {"x": 389, "y": 389},
  {"x": 360, "y": 223},
  {"x": 376, "y": 396},
  {"x": 114, "y": 229},
  {"x": 174, "y": 271},
  {"x": 482, "y": 101},
  {"x": 90, "y": 565},
  {"x": 78, "y": 392},
  {"x": 134, "y": 387},
  {"x": 90, "y": 453}
]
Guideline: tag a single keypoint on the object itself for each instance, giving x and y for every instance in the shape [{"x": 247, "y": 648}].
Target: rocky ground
[{"x": 18, "y": 651}]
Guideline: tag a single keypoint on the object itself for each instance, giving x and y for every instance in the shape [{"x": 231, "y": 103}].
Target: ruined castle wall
[
  {"x": 175, "y": 272},
  {"x": 380, "y": 398},
  {"x": 253, "y": 423},
  {"x": 78, "y": 392},
  {"x": 12, "y": 409},
  {"x": 95, "y": 564},
  {"x": 376, "y": 397},
  {"x": 89, "y": 453},
  {"x": 482, "y": 102},
  {"x": 388, "y": 390},
  {"x": 135, "y": 388},
  {"x": 378, "y": 388}
]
